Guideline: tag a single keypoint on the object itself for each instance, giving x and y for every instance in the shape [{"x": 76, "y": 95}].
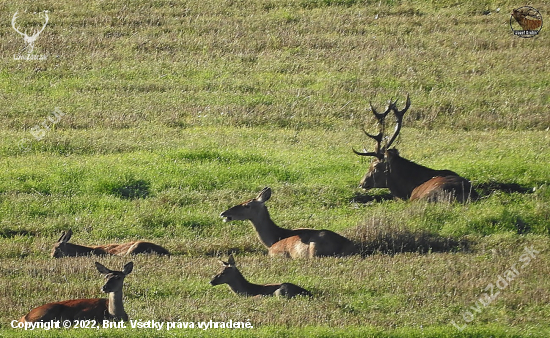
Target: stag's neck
[
  {"x": 243, "y": 287},
  {"x": 268, "y": 232},
  {"x": 405, "y": 175},
  {"x": 116, "y": 307}
]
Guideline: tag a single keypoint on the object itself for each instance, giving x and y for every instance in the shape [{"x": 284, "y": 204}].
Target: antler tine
[
  {"x": 370, "y": 153},
  {"x": 381, "y": 117},
  {"x": 378, "y": 138},
  {"x": 399, "y": 119}
]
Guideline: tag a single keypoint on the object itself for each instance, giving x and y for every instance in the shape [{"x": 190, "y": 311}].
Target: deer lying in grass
[
  {"x": 231, "y": 276},
  {"x": 97, "y": 309},
  {"x": 406, "y": 179},
  {"x": 298, "y": 243},
  {"x": 65, "y": 249}
]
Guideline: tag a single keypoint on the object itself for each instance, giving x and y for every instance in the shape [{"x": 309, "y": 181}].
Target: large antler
[
  {"x": 398, "y": 119},
  {"x": 377, "y": 151},
  {"x": 381, "y": 117}
]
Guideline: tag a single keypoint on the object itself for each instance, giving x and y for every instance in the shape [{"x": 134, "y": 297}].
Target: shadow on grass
[
  {"x": 378, "y": 237},
  {"x": 365, "y": 198},
  {"x": 483, "y": 189},
  {"x": 10, "y": 233},
  {"x": 488, "y": 188},
  {"x": 131, "y": 189}
]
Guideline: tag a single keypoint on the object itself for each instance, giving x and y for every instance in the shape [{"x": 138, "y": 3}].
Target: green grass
[{"x": 175, "y": 111}]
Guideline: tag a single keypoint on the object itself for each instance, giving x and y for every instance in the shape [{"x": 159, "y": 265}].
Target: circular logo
[{"x": 525, "y": 22}]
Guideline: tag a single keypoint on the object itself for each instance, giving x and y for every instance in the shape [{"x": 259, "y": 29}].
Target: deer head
[
  {"x": 249, "y": 209},
  {"x": 228, "y": 273},
  {"x": 376, "y": 177},
  {"x": 114, "y": 279}
]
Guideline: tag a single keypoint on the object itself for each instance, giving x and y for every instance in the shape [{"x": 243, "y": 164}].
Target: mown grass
[{"x": 175, "y": 111}]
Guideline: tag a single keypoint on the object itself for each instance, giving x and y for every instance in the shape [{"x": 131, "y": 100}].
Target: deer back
[
  {"x": 75, "y": 309},
  {"x": 65, "y": 249},
  {"x": 309, "y": 243},
  {"x": 445, "y": 189}
]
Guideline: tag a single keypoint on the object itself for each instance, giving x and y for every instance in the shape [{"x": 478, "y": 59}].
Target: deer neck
[
  {"x": 79, "y": 250},
  {"x": 116, "y": 307},
  {"x": 268, "y": 232},
  {"x": 404, "y": 176},
  {"x": 241, "y": 286}
]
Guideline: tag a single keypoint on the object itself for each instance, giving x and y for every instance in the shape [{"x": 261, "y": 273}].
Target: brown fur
[
  {"x": 65, "y": 249},
  {"x": 406, "y": 179},
  {"x": 298, "y": 243},
  {"x": 96, "y": 309}
]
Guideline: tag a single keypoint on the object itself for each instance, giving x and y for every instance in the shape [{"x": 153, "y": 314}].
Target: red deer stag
[
  {"x": 97, "y": 309},
  {"x": 65, "y": 249},
  {"x": 298, "y": 243},
  {"x": 406, "y": 179},
  {"x": 231, "y": 276}
]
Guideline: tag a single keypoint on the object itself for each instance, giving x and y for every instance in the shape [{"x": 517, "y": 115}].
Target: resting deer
[
  {"x": 298, "y": 243},
  {"x": 406, "y": 179},
  {"x": 65, "y": 249},
  {"x": 231, "y": 276},
  {"x": 97, "y": 309}
]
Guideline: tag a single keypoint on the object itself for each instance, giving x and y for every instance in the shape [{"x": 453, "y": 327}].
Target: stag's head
[{"x": 377, "y": 175}]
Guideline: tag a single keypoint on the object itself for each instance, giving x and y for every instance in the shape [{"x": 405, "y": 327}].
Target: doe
[
  {"x": 97, "y": 309},
  {"x": 231, "y": 276}
]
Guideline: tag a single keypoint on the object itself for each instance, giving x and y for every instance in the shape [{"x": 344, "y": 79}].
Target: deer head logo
[{"x": 29, "y": 40}]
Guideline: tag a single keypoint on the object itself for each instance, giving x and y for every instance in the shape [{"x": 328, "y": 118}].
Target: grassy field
[{"x": 146, "y": 119}]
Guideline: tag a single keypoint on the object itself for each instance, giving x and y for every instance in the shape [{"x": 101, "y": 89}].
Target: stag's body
[
  {"x": 97, "y": 309},
  {"x": 65, "y": 249},
  {"x": 406, "y": 179},
  {"x": 298, "y": 243},
  {"x": 231, "y": 276}
]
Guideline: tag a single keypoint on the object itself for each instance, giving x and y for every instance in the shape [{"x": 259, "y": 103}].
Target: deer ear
[
  {"x": 231, "y": 260},
  {"x": 128, "y": 268},
  {"x": 264, "y": 195},
  {"x": 65, "y": 236},
  {"x": 101, "y": 268},
  {"x": 61, "y": 238}
]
